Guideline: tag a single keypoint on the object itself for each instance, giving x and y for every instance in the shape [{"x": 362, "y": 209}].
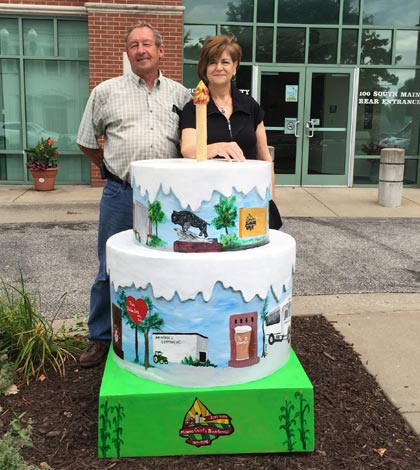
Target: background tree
[
  {"x": 192, "y": 46},
  {"x": 242, "y": 11}
]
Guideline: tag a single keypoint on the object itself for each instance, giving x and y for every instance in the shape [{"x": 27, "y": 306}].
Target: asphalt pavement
[{"x": 358, "y": 264}]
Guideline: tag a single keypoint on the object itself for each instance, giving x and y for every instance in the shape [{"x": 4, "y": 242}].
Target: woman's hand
[{"x": 230, "y": 151}]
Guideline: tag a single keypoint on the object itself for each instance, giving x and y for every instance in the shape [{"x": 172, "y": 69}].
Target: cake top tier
[{"x": 209, "y": 176}]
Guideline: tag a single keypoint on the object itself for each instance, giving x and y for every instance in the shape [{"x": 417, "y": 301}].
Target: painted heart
[{"x": 136, "y": 309}]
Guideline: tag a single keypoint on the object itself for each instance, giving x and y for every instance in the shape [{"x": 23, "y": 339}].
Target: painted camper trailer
[{"x": 278, "y": 322}]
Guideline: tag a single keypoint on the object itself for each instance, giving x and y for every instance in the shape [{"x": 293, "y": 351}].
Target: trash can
[{"x": 391, "y": 175}]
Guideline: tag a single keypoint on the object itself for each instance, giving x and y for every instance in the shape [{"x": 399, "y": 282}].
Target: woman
[{"x": 235, "y": 127}]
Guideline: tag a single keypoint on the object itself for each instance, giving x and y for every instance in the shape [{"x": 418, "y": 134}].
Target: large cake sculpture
[
  {"x": 201, "y": 290},
  {"x": 201, "y": 294}
]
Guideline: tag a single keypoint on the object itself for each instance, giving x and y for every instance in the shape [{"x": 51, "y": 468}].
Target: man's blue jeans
[{"x": 115, "y": 215}]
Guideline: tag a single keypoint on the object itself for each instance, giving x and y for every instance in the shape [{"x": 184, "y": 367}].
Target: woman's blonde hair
[{"x": 213, "y": 49}]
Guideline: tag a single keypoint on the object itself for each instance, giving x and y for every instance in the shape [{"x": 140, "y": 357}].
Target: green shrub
[
  {"x": 7, "y": 372},
  {"x": 230, "y": 240},
  {"x": 189, "y": 361},
  {"x": 27, "y": 337},
  {"x": 10, "y": 458},
  {"x": 156, "y": 241},
  {"x": 11, "y": 444}
]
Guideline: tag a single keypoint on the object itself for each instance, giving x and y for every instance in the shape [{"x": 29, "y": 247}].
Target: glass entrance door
[{"x": 307, "y": 118}]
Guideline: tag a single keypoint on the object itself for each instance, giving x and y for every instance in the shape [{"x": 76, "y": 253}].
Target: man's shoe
[{"x": 94, "y": 354}]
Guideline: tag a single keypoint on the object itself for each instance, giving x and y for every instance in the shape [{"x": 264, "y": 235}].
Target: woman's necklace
[{"x": 224, "y": 107}]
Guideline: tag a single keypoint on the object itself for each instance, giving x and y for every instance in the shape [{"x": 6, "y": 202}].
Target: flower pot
[{"x": 44, "y": 180}]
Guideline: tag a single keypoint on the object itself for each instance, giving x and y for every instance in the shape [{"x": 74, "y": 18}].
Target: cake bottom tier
[
  {"x": 201, "y": 319},
  {"x": 139, "y": 418}
]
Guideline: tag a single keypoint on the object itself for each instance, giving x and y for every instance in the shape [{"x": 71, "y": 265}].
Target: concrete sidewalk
[
  {"x": 344, "y": 202},
  {"x": 384, "y": 328},
  {"x": 80, "y": 203},
  {"x": 22, "y": 204}
]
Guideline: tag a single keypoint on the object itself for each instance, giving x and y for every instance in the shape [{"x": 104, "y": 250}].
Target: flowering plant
[{"x": 43, "y": 156}]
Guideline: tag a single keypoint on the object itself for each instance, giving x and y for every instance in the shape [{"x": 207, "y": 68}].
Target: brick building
[{"x": 338, "y": 79}]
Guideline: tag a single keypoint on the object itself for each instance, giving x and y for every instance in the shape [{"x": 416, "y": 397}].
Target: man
[{"x": 137, "y": 115}]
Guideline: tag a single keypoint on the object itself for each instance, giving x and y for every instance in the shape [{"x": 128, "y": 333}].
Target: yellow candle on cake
[{"x": 201, "y": 99}]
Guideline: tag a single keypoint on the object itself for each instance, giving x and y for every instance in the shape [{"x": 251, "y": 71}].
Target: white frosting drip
[
  {"x": 252, "y": 272},
  {"x": 193, "y": 182}
]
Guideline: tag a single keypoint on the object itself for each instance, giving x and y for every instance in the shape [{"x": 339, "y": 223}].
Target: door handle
[
  {"x": 295, "y": 129},
  {"x": 310, "y": 128}
]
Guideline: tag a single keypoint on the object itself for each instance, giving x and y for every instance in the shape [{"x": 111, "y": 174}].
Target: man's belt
[{"x": 107, "y": 175}]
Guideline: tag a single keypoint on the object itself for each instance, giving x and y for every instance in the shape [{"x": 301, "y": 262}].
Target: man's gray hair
[{"x": 144, "y": 24}]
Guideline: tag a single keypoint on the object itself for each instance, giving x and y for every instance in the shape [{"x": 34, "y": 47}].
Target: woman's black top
[{"x": 240, "y": 128}]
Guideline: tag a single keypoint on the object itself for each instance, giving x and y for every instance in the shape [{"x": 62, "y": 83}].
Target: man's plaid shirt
[{"x": 137, "y": 123}]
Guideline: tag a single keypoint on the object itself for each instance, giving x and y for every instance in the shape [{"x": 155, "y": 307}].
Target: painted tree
[
  {"x": 121, "y": 301},
  {"x": 289, "y": 423},
  {"x": 153, "y": 321},
  {"x": 118, "y": 429},
  {"x": 156, "y": 214},
  {"x": 104, "y": 424},
  {"x": 263, "y": 316},
  {"x": 304, "y": 432},
  {"x": 226, "y": 211},
  {"x": 134, "y": 312}
]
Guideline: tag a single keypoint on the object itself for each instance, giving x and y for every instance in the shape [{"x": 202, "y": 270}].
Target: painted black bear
[{"x": 187, "y": 219}]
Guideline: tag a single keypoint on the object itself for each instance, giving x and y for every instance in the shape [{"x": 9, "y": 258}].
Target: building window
[
  {"x": 72, "y": 41},
  {"x": 244, "y": 79},
  {"x": 265, "y": 11},
  {"x": 9, "y": 37},
  {"x": 291, "y": 45},
  {"x": 53, "y": 101},
  {"x": 323, "y": 46},
  {"x": 218, "y": 11},
  {"x": 38, "y": 38},
  {"x": 376, "y": 47},
  {"x": 190, "y": 77},
  {"x": 264, "y": 47},
  {"x": 379, "y": 37},
  {"x": 395, "y": 12},
  {"x": 387, "y": 116},
  {"x": 194, "y": 37},
  {"x": 308, "y": 12},
  {"x": 349, "y": 46},
  {"x": 351, "y": 12},
  {"x": 10, "y": 98},
  {"x": 243, "y": 34},
  {"x": 407, "y": 50},
  {"x": 49, "y": 62}
]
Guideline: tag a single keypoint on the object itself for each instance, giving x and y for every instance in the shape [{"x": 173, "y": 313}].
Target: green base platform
[{"x": 139, "y": 418}]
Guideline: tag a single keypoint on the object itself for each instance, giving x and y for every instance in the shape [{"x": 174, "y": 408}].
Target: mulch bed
[{"x": 356, "y": 426}]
